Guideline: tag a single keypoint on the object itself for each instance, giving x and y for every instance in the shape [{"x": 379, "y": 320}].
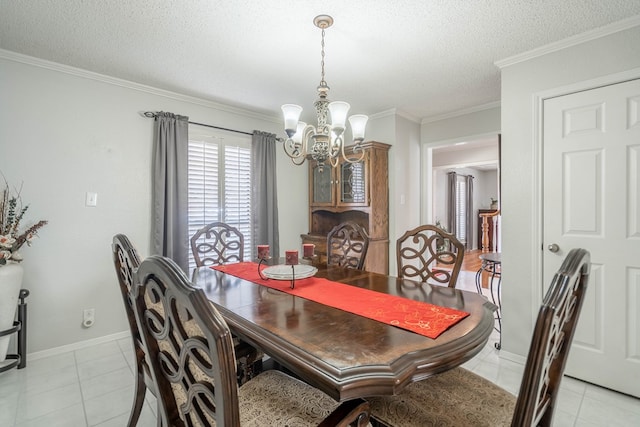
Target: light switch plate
[{"x": 92, "y": 199}]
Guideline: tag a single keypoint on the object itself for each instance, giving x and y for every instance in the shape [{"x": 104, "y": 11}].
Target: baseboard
[
  {"x": 76, "y": 346},
  {"x": 512, "y": 357}
]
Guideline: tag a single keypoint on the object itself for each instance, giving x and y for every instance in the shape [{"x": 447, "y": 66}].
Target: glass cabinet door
[
  {"x": 353, "y": 183},
  {"x": 322, "y": 182}
]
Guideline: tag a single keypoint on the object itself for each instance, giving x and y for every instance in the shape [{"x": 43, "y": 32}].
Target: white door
[{"x": 591, "y": 199}]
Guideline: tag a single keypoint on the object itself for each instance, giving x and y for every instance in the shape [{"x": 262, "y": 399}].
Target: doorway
[{"x": 478, "y": 157}]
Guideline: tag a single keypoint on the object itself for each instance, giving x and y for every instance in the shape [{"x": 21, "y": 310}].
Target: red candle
[
  {"x": 291, "y": 257},
  {"x": 263, "y": 251},
  {"x": 307, "y": 250}
]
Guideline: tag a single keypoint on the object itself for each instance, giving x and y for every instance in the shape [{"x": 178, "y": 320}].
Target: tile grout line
[{"x": 84, "y": 408}]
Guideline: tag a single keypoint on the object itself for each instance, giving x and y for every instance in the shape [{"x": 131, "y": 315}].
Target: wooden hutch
[{"x": 357, "y": 192}]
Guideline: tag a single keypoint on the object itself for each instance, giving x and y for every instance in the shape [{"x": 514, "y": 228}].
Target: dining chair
[
  {"x": 191, "y": 357},
  {"x": 127, "y": 261},
  {"x": 459, "y": 397},
  {"x": 429, "y": 254},
  {"x": 220, "y": 243},
  {"x": 217, "y": 243},
  {"x": 347, "y": 245}
]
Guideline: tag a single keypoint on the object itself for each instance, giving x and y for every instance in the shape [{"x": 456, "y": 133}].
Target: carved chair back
[
  {"x": 217, "y": 243},
  {"x": 552, "y": 337},
  {"x": 429, "y": 254},
  {"x": 126, "y": 262},
  {"x": 347, "y": 245},
  {"x": 190, "y": 348}
]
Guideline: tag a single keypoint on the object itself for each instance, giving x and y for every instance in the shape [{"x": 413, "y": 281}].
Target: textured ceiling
[{"x": 422, "y": 57}]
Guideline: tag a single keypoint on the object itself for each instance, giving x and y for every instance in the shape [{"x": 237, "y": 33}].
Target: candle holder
[
  {"x": 260, "y": 261},
  {"x": 291, "y": 258},
  {"x": 263, "y": 255},
  {"x": 293, "y": 276}
]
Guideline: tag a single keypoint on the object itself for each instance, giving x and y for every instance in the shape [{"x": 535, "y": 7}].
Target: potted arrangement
[
  {"x": 12, "y": 237},
  {"x": 440, "y": 242}
]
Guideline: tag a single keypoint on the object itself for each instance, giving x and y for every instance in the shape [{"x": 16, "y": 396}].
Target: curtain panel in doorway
[{"x": 452, "y": 182}]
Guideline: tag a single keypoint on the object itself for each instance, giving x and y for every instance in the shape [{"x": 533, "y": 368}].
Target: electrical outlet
[{"x": 88, "y": 317}]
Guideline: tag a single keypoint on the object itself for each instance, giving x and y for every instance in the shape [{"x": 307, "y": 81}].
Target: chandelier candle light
[{"x": 324, "y": 141}]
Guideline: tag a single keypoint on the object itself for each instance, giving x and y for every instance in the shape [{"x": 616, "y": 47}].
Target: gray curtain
[
  {"x": 452, "y": 180},
  {"x": 264, "y": 195},
  {"x": 470, "y": 213},
  {"x": 169, "y": 227}
]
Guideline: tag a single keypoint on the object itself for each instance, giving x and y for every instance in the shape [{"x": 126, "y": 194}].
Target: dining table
[{"x": 344, "y": 354}]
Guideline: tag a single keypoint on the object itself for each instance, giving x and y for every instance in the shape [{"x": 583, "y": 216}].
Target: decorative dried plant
[{"x": 12, "y": 238}]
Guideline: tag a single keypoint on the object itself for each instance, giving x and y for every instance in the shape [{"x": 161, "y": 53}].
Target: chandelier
[{"x": 323, "y": 142}]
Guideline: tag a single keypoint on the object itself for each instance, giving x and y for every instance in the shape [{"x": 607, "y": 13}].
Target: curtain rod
[
  {"x": 459, "y": 174},
  {"x": 151, "y": 114}
]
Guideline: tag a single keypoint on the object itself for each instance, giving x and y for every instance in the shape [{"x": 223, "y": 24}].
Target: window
[
  {"x": 219, "y": 183},
  {"x": 461, "y": 208}
]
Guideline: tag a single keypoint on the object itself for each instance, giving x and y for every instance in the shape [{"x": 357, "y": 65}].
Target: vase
[{"x": 10, "y": 283}]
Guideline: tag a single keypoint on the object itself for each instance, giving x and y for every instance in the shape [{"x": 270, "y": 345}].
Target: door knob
[{"x": 554, "y": 248}]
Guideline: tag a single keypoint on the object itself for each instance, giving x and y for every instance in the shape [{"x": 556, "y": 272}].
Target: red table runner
[{"x": 416, "y": 316}]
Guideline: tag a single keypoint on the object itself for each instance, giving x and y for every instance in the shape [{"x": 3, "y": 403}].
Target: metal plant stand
[
  {"x": 491, "y": 263},
  {"x": 20, "y": 327}
]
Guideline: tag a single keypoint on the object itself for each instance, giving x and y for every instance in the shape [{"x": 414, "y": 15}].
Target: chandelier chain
[{"x": 322, "y": 82}]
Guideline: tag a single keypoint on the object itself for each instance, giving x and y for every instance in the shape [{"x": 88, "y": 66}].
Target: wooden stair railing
[{"x": 485, "y": 231}]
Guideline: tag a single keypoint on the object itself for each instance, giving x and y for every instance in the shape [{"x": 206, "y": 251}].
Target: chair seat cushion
[
  {"x": 276, "y": 399},
  {"x": 454, "y": 398}
]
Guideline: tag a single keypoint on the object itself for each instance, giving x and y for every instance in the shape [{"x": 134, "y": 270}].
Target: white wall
[
  {"x": 469, "y": 155},
  {"x": 487, "y": 189},
  {"x": 64, "y": 132},
  {"x": 405, "y": 204},
  {"x": 481, "y": 121},
  {"x": 404, "y": 173},
  {"x": 474, "y": 125},
  {"x": 439, "y": 196},
  {"x": 521, "y": 81}
]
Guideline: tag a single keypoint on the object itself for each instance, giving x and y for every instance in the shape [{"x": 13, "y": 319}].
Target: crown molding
[
  {"x": 464, "y": 112},
  {"x": 383, "y": 114},
  {"x": 577, "y": 39},
  {"x": 408, "y": 116},
  {"x": 79, "y": 72},
  {"x": 394, "y": 112}
]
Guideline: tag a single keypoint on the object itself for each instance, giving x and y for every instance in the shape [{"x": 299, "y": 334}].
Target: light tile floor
[{"x": 93, "y": 386}]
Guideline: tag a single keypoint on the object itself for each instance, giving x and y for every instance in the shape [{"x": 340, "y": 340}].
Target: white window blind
[
  {"x": 237, "y": 178},
  {"x": 461, "y": 209},
  {"x": 220, "y": 183}
]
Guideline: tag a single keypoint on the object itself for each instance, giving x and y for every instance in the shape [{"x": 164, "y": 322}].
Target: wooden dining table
[{"x": 343, "y": 354}]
